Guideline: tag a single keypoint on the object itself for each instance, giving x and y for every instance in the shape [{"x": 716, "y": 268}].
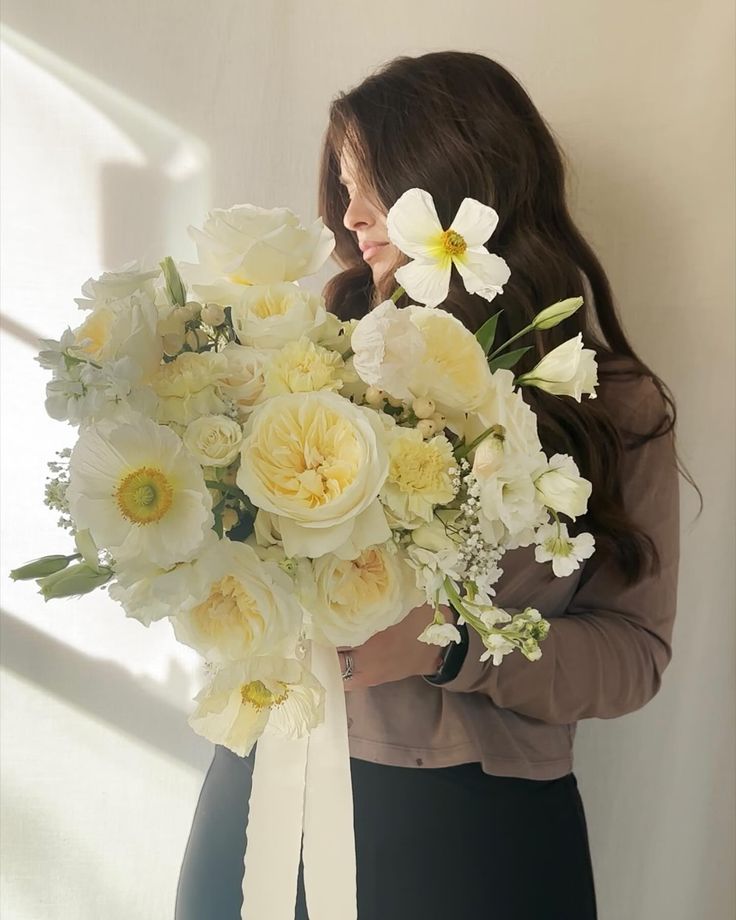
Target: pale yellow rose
[
  {"x": 302, "y": 367},
  {"x": 351, "y": 600},
  {"x": 271, "y": 315},
  {"x": 419, "y": 476},
  {"x": 213, "y": 440},
  {"x": 317, "y": 462},
  {"x": 244, "y": 379}
]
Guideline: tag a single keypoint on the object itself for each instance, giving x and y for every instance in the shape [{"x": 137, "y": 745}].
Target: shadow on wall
[{"x": 78, "y": 680}]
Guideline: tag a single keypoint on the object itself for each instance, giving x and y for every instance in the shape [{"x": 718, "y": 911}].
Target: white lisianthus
[
  {"x": 504, "y": 406},
  {"x": 243, "y": 380},
  {"x": 272, "y": 315},
  {"x": 561, "y": 487},
  {"x": 414, "y": 227},
  {"x": 190, "y": 386},
  {"x": 568, "y": 370},
  {"x": 302, "y": 367},
  {"x": 213, "y": 440},
  {"x": 138, "y": 491},
  {"x": 351, "y": 600},
  {"x": 441, "y": 634},
  {"x": 113, "y": 286},
  {"x": 419, "y": 476},
  {"x": 241, "y": 606},
  {"x": 566, "y": 552},
  {"x": 387, "y": 346},
  {"x": 557, "y": 313},
  {"x": 245, "y": 244},
  {"x": 248, "y": 697},
  {"x": 510, "y": 508},
  {"x": 318, "y": 462}
]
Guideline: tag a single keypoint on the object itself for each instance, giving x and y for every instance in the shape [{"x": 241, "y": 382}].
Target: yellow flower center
[
  {"x": 257, "y": 694},
  {"x": 418, "y": 466},
  {"x": 271, "y": 305},
  {"x": 453, "y": 244},
  {"x": 145, "y": 495}
]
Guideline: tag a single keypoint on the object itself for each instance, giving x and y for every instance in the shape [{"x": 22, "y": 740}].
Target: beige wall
[{"x": 127, "y": 119}]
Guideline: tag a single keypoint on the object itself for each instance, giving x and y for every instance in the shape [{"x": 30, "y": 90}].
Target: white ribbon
[{"x": 303, "y": 789}]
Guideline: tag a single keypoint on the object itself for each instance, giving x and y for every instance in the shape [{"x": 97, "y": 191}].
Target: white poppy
[{"x": 414, "y": 228}]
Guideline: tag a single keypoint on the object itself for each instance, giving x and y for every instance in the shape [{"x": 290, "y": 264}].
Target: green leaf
[
  {"x": 174, "y": 285},
  {"x": 228, "y": 490},
  {"x": 487, "y": 332},
  {"x": 42, "y": 567},
  {"x": 509, "y": 359}
]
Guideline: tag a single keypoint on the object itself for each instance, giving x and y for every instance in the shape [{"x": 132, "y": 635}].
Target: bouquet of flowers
[{"x": 267, "y": 476}]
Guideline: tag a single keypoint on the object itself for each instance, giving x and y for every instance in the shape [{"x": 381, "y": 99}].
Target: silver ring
[{"x": 348, "y": 672}]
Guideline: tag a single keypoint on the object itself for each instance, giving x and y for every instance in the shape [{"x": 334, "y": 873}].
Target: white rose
[
  {"x": 243, "y": 606},
  {"x": 350, "y": 601},
  {"x": 124, "y": 328},
  {"x": 245, "y": 244},
  {"x": 213, "y": 440},
  {"x": 244, "y": 380},
  {"x": 561, "y": 487},
  {"x": 318, "y": 462},
  {"x": 189, "y": 387},
  {"x": 271, "y": 315},
  {"x": 568, "y": 370}
]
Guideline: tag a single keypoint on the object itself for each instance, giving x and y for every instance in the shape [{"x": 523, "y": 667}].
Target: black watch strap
[{"x": 453, "y": 660}]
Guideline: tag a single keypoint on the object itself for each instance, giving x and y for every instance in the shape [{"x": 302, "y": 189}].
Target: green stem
[
  {"x": 509, "y": 341},
  {"x": 397, "y": 293}
]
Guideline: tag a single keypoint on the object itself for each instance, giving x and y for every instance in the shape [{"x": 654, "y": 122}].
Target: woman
[{"x": 466, "y": 805}]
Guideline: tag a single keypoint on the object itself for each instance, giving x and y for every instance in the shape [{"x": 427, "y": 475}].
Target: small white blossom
[{"x": 566, "y": 552}]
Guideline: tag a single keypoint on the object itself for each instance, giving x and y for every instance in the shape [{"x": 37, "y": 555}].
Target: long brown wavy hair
[{"x": 460, "y": 125}]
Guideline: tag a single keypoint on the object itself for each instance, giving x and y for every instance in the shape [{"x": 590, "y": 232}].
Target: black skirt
[{"x": 431, "y": 844}]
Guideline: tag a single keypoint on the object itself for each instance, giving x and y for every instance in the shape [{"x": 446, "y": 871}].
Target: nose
[{"x": 358, "y": 214}]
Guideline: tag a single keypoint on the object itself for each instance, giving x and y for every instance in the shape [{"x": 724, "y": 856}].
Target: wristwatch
[{"x": 453, "y": 656}]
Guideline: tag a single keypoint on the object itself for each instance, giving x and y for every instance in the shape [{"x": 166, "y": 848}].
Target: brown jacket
[{"x": 604, "y": 656}]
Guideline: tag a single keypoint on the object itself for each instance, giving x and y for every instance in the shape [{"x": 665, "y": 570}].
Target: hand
[{"x": 394, "y": 654}]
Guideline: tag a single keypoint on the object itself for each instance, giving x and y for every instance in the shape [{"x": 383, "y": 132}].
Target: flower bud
[
  {"x": 173, "y": 342},
  {"x": 229, "y": 519},
  {"x": 374, "y": 396},
  {"x": 194, "y": 308},
  {"x": 440, "y": 420},
  {"x": 423, "y": 407},
  {"x": 213, "y": 314},
  {"x": 196, "y": 339},
  {"x": 40, "y": 568},
  {"x": 74, "y": 581},
  {"x": 426, "y": 427},
  {"x": 392, "y": 401},
  {"x": 556, "y": 313}
]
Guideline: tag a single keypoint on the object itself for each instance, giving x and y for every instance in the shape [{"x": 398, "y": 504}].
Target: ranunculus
[
  {"x": 245, "y": 244},
  {"x": 272, "y": 315},
  {"x": 561, "y": 487},
  {"x": 351, "y": 600},
  {"x": 568, "y": 370},
  {"x": 241, "y": 606},
  {"x": 302, "y": 367},
  {"x": 245, "y": 698},
  {"x": 419, "y": 476},
  {"x": 213, "y": 440},
  {"x": 318, "y": 462},
  {"x": 190, "y": 386}
]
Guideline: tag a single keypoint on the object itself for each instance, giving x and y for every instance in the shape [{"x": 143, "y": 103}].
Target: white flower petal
[
  {"x": 482, "y": 272},
  {"x": 475, "y": 222},
  {"x": 426, "y": 282},
  {"x": 413, "y": 225}
]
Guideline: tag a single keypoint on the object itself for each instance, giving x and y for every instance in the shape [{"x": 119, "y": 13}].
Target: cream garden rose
[
  {"x": 317, "y": 462},
  {"x": 351, "y": 600},
  {"x": 244, "y": 380},
  {"x": 213, "y": 440},
  {"x": 241, "y": 606},
  {"x": 272, "y": 315}
]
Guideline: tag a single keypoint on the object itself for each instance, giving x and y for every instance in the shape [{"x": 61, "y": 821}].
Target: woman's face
[{"x": 366, "y": 218}]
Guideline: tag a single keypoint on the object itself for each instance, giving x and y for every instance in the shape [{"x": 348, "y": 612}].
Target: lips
[{"x": 370, "y": 247}]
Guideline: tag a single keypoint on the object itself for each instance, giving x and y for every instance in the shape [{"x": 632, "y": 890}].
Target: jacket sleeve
[{"x": 604, "y": 657}]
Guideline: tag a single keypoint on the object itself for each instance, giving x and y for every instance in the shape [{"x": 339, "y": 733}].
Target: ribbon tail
[{"x": 329, "y": 832}]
